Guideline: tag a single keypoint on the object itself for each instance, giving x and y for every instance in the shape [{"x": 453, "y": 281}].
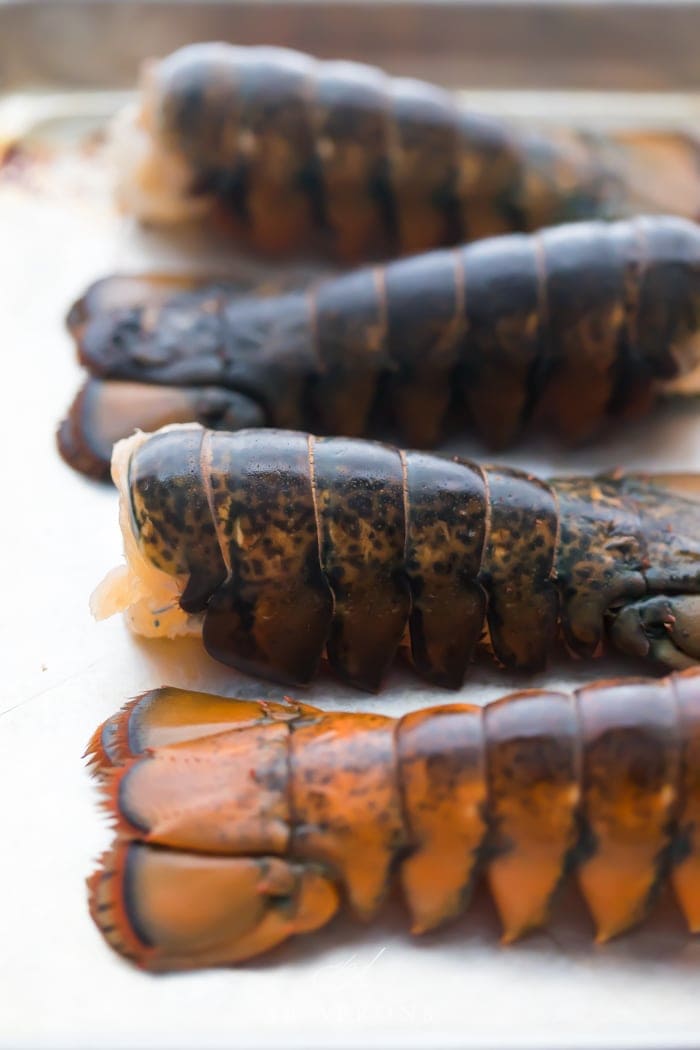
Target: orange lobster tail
[{"x": 233, "y": 837}]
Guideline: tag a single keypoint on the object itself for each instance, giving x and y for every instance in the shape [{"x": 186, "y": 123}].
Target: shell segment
[
  {"x": 630, "y": 784},
  {"x": 346, "y": 802},
  {"x": 442, "y": 771},
  {"x": 273, "y": 613},
  {"x": 518, "y": 566},
  {"x": 532, "y": 747},
  {"x": 359, "y": 493},
  {"x": 447, "y": 517}
]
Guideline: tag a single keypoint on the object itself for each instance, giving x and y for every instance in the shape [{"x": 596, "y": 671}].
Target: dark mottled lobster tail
[
  {"x": 567, "y": 328},
  {"x": 279, "y": 547},
  {"x": 213, "y": 864},
  {"x": 302, "y": 155}
]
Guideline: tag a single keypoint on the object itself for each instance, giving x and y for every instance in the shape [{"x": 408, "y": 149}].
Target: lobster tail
[
  {"x": 228, "y": 843},
  {"x": 298, "y": 154},
  {"x": 566, "y": 329},
  {"x": 277, "y": 548}
]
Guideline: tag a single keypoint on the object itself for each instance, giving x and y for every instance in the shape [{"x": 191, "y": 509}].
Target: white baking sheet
[{"x": 61, "y": 673}]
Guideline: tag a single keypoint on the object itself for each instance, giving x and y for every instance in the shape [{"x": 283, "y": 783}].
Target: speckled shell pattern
[
  {"x": 340, "y": 156},
  {"x": 295, "y": 546},
  {"x": 602, "y": 783},
  {"x": 562, "y": 329}
]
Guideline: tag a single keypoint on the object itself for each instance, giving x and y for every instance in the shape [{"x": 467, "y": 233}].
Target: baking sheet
[{"x": 60, "y": 985}]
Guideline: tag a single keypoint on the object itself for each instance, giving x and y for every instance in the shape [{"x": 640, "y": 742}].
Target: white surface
[{"x": 61, "y": 674}]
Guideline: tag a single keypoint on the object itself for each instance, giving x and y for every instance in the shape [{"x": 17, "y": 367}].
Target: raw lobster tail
[
  {"x": 276, "y": 547},
  {"x": 568, "y": 328},
  {"x": 338, "y": 157},
  {"x": 239, "y": 823}
]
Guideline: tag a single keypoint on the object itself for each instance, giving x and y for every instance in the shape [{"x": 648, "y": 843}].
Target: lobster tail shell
[
  {"x": 292, "y": 154},
  {"x": 566, "y": 329},
  {"x": 274, "y": 817},
  {"x": 282, "y": 548}
]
